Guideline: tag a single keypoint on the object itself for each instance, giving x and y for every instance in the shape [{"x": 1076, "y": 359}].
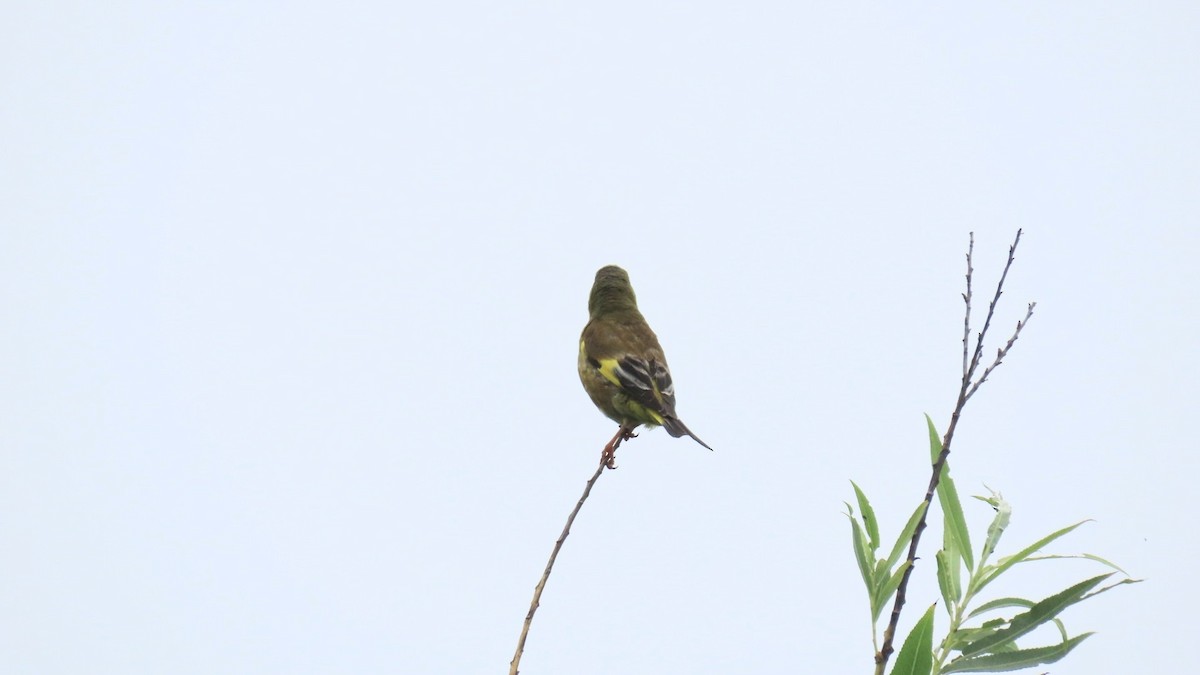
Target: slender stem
[
  {"x": 965, "y": 391},
  {"x": 1003, "y": 351},
  {"x": 889, "y": 634},
  {"x": 537, "y": 591},
  {"x": 987, "y": 322},
  {"x": 967, "y": 301}
]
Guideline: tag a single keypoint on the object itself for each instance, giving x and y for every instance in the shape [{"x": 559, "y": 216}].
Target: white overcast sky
[{"x": 292, "y": 295}]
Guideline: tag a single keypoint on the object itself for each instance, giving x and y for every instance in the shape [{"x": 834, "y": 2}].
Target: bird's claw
[{"x": 609, "y": 457}]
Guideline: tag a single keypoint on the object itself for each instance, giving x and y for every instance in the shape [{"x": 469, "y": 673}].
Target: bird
[{"x": 622, "y": 366}]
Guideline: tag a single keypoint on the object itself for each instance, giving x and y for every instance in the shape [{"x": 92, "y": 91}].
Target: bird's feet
[{"x": 609, "y": 456}]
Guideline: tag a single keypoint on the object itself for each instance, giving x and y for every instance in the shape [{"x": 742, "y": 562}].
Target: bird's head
[{"x": 611, "y": 291}]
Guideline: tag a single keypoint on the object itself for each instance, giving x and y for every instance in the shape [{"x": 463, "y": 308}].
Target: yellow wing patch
[{"x": 608, "y": 369}]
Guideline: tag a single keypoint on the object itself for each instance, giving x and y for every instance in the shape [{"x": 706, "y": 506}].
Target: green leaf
[
  {"x": 885, "y": 593},
  {"x": 1081, "y": 556},
  {"x": 1007, "y": 562},
  {"x": 964, "y": 636},
  {"x": 1112, "y": 586},
  {"x": 948, "y": 578},
  {"x": 1000, "y": 603},
  {"x": 1024, "y": 603},
  {"x": 1102, "y": 561},
  {"x": 1006, "y": 647},
  {"x": 955, "y": 523},
  {"x": 916, "y": 656},
  {"x": 906, "y": 535},
  {"x": 881, "y": 572},
  {"x": 935, "y": 441},
  {"x": 998, "y": 525},
  {"x": 879, "y": 578},
  {"x": 860, "y": 554},
  {"x": 949, "y": 574},
  {"x": 1041, "y": 612},
  {"x": 1014, "y": 660},
  {"x": 868, "y": 516}
]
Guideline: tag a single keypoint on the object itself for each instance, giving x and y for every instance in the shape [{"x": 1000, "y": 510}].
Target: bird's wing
[{"x": 648, "y": 382}]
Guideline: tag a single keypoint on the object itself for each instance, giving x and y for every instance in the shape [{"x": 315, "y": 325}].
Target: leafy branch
[
  {"x": 967, "y": 389},
  {"x": 990, "y": 646}
]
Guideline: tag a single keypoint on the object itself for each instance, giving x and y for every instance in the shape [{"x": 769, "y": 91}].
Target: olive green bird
[{"x": 621, "y": 364}]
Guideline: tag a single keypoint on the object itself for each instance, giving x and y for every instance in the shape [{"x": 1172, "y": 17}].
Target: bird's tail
[{"x": 677, "y": 428}]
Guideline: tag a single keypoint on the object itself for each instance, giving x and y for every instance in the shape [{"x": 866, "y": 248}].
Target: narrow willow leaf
[
  {"x": 955, "y": 640},
  {"x": 947, "y": 576},
  {"x": 1102, "y": 561},
  {"x": 990, "y": 501},
  {"x": 949, "y": 563},
  {"x": 1041, "y": 612},
  {"x": 880, "y": 579},
  {"x": 1112, "y": 586},
  {"x": 881, "y": 573},
  {"x": 860, "y": 554},
  {"x": 868, "y": 516},
  {"x": 935, "y": 441},
  {"x": 1078, "y": 556},
  {"x": 998, "y": 525},
  {"x": 1016, "y": 660},
  {"x": 916, "y": 656},
  {"x": 888, "y": 589},
  {"x": 906, "y": 535},
  {"x": 955, "y": 522},
  {"x": 967, "y": 635},
  {"x": 1007, "y": 562},
  {"x": 1082, "y": 556},
  {"x": 998, "y": 604},
  {"x": 1006, "y": 647},
  {"x": 954, "y": 569}
]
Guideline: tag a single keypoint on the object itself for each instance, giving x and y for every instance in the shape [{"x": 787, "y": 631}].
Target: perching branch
[
  {"x": 606, "y": 460},
  {"x": 966, "y": 390}
]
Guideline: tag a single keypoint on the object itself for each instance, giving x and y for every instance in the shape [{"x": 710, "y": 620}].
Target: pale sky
[{"x": 292, "y": 295}]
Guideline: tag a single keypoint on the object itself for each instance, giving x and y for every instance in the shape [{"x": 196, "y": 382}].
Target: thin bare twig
[
  {"x": 987, "y": 322},
  {"x": 1002, "y": 352},
  {"x": 605, "y": 462},
  {"x": 967, "y": 301},
  {"x": 965, "y": 391}
]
